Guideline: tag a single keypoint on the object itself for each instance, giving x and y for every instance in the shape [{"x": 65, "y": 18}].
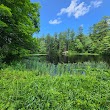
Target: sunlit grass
[{"x": 24, "y": 90}]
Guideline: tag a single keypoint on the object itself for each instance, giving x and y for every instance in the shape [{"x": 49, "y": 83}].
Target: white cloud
[
  {"x": 55, "y": 21},
  {"x": 81, "y": 10},
  {"x": 96, "y": 3},
  {"x": 81, "y": 25},
  {"x": 77, "y": 9},
  {"x": 69, "y": 10}
]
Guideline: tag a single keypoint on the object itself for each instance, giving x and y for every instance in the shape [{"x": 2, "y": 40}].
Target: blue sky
[{"x": 59, "y": 15}]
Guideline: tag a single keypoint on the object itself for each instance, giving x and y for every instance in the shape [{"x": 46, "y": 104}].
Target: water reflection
[{"x": 78, "y": 58}]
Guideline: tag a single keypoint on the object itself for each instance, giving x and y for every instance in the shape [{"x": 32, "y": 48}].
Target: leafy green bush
[{"x": 24, "y": 90}]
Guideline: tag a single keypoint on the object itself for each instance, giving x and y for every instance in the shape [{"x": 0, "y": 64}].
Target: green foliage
[
  {"x": 100, "y": 36},
  {"x": 5, "y": 11},
  {"x": 105, "y": 44},
  {"x": 97, "y": 41},
  {"x": 44, "y": 68},
  {"x": 42, "y": 47},
  {"x": 24, "y": 90},
  {"x": 78, "y": 46},
  {"x": 18, "y": 21}
]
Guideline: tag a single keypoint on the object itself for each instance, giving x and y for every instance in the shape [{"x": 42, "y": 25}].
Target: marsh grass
[{"x": 43, "y": 68}]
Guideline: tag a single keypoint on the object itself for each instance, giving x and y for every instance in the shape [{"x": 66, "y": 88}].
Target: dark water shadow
[{"x": 78, "y": 58}]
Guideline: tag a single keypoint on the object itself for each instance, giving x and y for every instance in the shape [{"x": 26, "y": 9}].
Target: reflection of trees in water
[
  {"x": 78, "y": 58},
  {"x": 106, "y": 59}
]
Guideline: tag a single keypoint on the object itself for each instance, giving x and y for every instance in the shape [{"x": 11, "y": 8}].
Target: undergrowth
[{"x": 24, "y": 90}]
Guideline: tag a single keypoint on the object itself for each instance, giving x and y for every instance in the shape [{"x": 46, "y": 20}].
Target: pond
[
  {"x": 78, "y": 58},
  {"x": 63, "y": 64},
  {"x": 74, "y": 59}
]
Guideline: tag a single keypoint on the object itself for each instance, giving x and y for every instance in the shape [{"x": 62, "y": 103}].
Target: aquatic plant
[{"x": 61, "y": 68}]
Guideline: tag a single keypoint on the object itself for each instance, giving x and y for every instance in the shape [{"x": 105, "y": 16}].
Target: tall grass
[{"x": 43, "y": 68}]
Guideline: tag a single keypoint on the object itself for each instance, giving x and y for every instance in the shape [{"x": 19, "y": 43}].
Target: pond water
[
  {"x": 75, "y": 59},
  {"x": 63, "y": 64}
]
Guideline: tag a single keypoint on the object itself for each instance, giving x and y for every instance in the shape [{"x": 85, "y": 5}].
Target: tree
[
  {"x": 42, "y": 46},
  {"x": 99, "y": 34},
  {"x": 100, "y": 29},
  {"x": 79, "y": 42},
  {"x": 78, "y": 46},
  {"x": 4, "y": 11},
  {"x": 62, "y": 42},
  {"x": 88, "y": 44},
  {"x": 105, "y": 45},
  {"x": 80, "y": 34},
  {"x": 18, "y": 21},
  {"x": 56, "y": 44},
  {"x": 72, "y": 38},
  {"x": 48, "y": 43}
]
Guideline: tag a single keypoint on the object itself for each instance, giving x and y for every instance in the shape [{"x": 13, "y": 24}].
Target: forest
[
  {"x": 30, "y": 81},
  {"x": 98, "y": 40}
]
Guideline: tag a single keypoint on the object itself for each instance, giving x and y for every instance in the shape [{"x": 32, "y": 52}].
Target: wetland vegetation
[{"x": 64, "y": 71}]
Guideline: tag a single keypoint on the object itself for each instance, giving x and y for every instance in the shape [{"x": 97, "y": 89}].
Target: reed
[{"x": 43, "y": 68}]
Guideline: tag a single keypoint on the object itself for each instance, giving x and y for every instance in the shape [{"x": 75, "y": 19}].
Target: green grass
[{"x": 23, "y": 90}]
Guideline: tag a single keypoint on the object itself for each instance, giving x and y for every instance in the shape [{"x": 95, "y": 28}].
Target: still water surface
[{"x": 75, "y": 59}]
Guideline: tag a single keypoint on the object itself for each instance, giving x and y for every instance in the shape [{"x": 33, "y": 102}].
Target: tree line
[{"x": 97, "y": 41}]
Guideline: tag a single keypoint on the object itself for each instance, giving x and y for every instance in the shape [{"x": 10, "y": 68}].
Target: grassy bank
[{"x": 26, "y": 90}]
